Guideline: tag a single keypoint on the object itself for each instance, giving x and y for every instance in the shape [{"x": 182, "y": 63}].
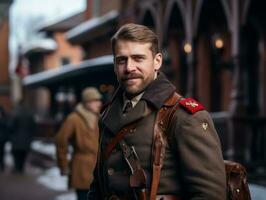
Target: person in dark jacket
[
  {"x": 3, "y": 135},
  {"x": 192, "y": 169},
  {"x": 22, "y": 128}
]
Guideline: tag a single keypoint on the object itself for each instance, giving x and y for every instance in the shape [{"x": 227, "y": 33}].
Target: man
[
  {"x": 22, "y": 131},
  {"x": 80, "y": 129},
  {"x": 192, "y": 169},
  {"x": 3, "y": 136}
]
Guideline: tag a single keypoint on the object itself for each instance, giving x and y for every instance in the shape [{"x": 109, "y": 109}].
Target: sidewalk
[
  {"x": 24, "y": 187},
  {"x": 37, "y": 183}
]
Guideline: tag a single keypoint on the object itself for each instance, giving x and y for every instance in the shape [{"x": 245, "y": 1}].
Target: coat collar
[
  {"x": 89, "y": 117},
  {"x": 159, "y": 91},
  {"x": 155, "y": 95}
]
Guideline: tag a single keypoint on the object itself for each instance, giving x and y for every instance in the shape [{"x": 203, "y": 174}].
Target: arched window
[{"x": 174, "y": 40}]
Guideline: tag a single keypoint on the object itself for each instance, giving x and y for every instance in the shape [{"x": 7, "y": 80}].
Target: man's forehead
[
  {"x": 123, "y": 46},
  {"x": 132, "y": 43}
]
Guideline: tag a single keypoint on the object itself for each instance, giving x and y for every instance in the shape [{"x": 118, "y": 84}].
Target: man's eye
[
  {"x": 120, "y": 61},
  {"x": 138, "y": 59}
]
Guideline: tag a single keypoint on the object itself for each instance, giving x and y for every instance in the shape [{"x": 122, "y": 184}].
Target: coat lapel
[{"x": 114, "y": 120}]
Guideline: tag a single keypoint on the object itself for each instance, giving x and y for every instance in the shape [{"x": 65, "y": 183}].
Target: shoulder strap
[
  {"x": 162, "y": 121},
  {"x": 119, "y": 136}
]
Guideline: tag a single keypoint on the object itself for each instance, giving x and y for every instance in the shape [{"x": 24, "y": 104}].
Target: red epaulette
[{"x": 191, "y": 105}]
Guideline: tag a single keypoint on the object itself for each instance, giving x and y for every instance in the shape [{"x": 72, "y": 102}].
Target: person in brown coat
[
  {"x": 80, "y": 130},
  {"x": 127, "y": 166}
]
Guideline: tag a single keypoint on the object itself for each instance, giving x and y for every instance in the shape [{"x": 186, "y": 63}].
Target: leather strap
[
  {"x": 162, "y": 121},
  {"x": 119, "y": 136}
]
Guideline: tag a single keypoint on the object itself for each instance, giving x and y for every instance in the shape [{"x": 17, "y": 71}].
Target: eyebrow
[{"x": 133, "y": 55}]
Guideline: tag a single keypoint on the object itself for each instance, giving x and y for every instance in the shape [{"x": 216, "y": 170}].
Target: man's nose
[{"x": 130, "y": 66}]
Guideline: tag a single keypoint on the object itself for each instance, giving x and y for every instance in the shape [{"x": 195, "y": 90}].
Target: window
[{"x": 65, "y": 60}]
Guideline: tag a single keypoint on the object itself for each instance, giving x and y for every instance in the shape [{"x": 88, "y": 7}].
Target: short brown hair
[{"x": 136, "y": 33}]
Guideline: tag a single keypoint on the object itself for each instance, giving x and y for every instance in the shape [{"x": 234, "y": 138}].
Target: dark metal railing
[{"x": 251, "y": 143}]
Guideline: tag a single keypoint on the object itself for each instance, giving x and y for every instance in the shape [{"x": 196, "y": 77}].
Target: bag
[
  {"x": 236, "y": 175},
  {"x": 236, "y": 179}
]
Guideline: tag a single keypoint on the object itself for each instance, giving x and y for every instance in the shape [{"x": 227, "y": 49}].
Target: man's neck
[{"x": 134, "y": 99}]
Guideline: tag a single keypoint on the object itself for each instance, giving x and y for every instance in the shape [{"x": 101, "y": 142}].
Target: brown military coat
[
  {"x": 193, "y": 168},
  {"x": 80, "y": 129}
]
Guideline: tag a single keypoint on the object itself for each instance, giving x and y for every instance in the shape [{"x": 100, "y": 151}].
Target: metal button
[
  {"x": 110, "y": 171},
  {"x": 131, "y": 131}
]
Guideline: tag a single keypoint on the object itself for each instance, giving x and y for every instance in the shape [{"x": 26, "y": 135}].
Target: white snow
[
  {"x": 67, "y": 196},
  {"x": 44, "y": 148},
  {"x": 52, "y": 179}
]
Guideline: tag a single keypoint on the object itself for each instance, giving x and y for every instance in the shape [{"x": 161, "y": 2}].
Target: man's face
[
  {"x": 93, "y": 105},
  {"x": 135, "y": 66}
]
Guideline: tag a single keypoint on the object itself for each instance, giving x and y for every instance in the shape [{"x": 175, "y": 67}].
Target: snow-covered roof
[
  {"x": 63, "y": 73},
  {"x": 63, "y": 24},
  {"x": 85, "y": 31},
  {"x": 39, "y": 46}
]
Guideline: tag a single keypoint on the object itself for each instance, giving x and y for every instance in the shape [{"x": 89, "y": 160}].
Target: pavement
[
  {"x": 40, "y": 181},
  {"x": 24, "y": 187}
]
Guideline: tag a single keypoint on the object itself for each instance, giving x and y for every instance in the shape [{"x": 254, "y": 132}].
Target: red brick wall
[
  {"x": 203, "y": 72},
  {"x": 100, "y": 48},
  {"x": 64, "y": 49},
  {"x": 4, "y": 55},
  {"x": 227, "y": 77},
  {"x": 106, "y": 6},
  {"x": 5, "y": 100}
]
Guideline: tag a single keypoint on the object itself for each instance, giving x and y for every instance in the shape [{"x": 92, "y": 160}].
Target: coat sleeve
[
  {"x": 201, "y": 161},
  {"x": 62, "y": 140}
]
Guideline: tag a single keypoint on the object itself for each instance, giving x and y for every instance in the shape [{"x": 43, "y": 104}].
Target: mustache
[{"x": 131, "y": 76}]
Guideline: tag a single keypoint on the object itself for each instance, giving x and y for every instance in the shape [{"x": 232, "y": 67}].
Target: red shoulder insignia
[{"x": 191, "y": 105}]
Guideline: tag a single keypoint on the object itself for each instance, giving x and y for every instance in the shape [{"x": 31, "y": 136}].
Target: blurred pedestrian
[
  {"x": 3, "y": 136},
  {"x": 22, "y": 130},
  {"x": 80, "y": 129}
]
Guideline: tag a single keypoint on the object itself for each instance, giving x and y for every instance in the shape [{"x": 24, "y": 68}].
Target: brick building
[{"x": 5, "y": 99}]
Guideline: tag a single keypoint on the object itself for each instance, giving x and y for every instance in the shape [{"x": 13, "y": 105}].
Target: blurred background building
[
  {"x": 214, "y": 51},
  {"x": 5, "y": 99}
]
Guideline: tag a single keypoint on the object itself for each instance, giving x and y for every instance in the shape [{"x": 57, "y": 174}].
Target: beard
[{"x": 134, "y": 84}]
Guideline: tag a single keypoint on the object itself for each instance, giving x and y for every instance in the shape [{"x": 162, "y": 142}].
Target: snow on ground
[
  {"x": 67, "y": 196},
  {"x": 44, "y": 148},
  {"x": 53, "y": 180},
  {"x": 257, "y": 192}
]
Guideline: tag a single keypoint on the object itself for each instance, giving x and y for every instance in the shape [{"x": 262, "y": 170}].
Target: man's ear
[{"x": 158, "y": 59}]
